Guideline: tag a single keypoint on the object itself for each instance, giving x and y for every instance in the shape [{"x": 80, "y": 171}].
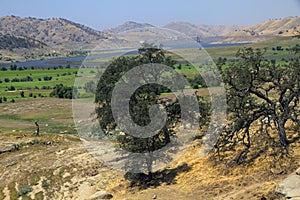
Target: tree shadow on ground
[{"x": 142, "y": 181}]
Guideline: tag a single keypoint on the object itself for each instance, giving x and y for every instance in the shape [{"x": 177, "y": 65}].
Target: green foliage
[
  {"x": 261, "y": 97},
  {"x": 90, "y": 87},
  {"x": 45, "y": 184},
  {"x": 47, "y": 78},
  {"x": 179, "y": 67},
  {"x": 11, "y": 88},
  {"x": 61, "y": 91},
  {"x": 27, "y": 80},
  {"x": 139, "y": 104},
  {"x": 197, "y": 82},
  {"x": 22, "y": 94},
  {"x": 296, "y": 48},
  {"x": 13, "y": 67}
]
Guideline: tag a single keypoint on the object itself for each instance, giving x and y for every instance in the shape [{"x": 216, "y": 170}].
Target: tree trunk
[
  {"x": 282, "y": 135},
  {"x": 166, "y": 135},
  {"x": 149, "y": 165},
  {"x": 150, "y": 176},
  {"x": 149, "y": 158},
  {"x": 37, "y": 132}
]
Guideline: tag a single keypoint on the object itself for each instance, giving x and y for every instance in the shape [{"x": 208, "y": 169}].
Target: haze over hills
[
  {"x": 17, "y": 32},
  {"x": 203, "y": 31},
  {"x": 130, "y": 25}
]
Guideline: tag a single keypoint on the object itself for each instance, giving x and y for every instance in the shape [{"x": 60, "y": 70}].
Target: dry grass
[
  {"x": 67, "y": 166},
  {"x": 206, "y": 178}
]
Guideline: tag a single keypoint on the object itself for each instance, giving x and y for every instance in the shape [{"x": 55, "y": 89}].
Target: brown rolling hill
[
  {"x": 130, "y": 25},
  {"x": 289, "y": 26},
  {"x": 58, "y": 32},
  {"x": 53, "y": 32},
  {"x": 8, "y": 41}
]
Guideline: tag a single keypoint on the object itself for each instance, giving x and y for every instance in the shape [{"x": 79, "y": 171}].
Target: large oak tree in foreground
[
  {"x": 140, "y": 103},
  {"x": 263, "y": 101}
]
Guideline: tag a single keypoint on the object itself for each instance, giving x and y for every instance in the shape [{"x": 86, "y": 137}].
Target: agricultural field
[
  {"x": 36, "y": 83},
  {"x": 276, "y": 49},
  {"x": 39, "y": 82}
]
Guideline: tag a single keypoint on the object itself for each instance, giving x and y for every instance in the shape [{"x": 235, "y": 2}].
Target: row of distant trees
[
  {"x": 14, "y": 67},
  {"x": 280, "y": 48},
  {"x": 59, "y": 91},
  {"x": 30, "y": 78}
]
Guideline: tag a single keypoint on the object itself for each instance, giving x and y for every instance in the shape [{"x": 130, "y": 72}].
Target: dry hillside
[
  {"x": 130, "y": 25},
  {"x": 11, "y": 42},
  {"x": 57, "y": 166},
  {"x": 289, "y": 26},
  {"x": 201, "y": 30},
  {"x": 53, "y": 32}
]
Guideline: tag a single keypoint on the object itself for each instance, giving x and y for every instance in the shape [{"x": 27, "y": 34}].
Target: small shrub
[
  {"x": 47, "y": 78},
  {"x": 11, "y": 88},
  {"x": 15, "y": 80},
  {"x": 25, "y": 190},
  {"x": 179, "y": 67},
  {"x": 45, "y": 184},
  {"x": 22, "y": 93},
  {"x": 61, "y": 91}
]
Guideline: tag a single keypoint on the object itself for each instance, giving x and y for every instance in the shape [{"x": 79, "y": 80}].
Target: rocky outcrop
[
  {"x": 290, "y": 187},
  {"x": 101, "y": 195}
]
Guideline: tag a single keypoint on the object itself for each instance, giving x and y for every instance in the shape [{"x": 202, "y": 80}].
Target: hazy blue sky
[{"x": 101, "y": 14}]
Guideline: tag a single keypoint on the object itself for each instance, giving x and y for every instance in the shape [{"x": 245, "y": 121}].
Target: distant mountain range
[
  {"x": 17, "y": 32},
  {"x": 130, "y": 25},
  {"x": 203, "y": 31}
]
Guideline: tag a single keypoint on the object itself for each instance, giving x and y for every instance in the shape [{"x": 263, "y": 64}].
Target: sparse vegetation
[
  {"x": 25, "y": 189},
  {"x": 263, "y": 99}
]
